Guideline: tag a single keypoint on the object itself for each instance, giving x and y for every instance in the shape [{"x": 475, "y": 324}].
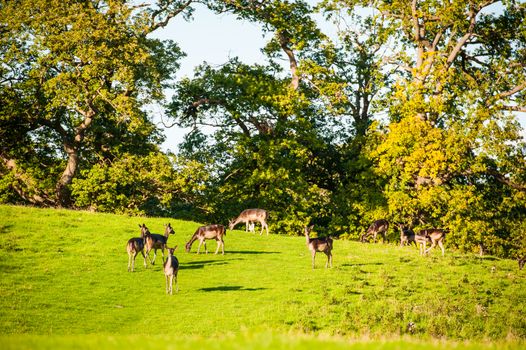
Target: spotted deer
[
  {"x": 135, "y": 246},
  {"x": 171, "y": 268},
  {"x": 251, "y": 215},
  {"x": 319, "y": 245},
  {"x": 378, "y": 227},
  {"x": 435, "y": 236},
  {"x": 203, "y": 233},
  {"x": 157, "y": 241}
]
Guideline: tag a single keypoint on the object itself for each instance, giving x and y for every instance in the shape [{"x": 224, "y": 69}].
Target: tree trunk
[{"x": 62, "y": 187}]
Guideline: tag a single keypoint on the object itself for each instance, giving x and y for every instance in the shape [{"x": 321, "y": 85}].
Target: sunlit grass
[{"x": 63, "y": 276}]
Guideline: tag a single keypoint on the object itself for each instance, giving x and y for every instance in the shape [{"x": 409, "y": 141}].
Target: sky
[
  {"x": 214, "y": 39},
  {"x": 211, "y": 38}
]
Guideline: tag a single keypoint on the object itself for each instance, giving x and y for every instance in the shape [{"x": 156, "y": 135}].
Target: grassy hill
[{"x": 64, "y": 283}]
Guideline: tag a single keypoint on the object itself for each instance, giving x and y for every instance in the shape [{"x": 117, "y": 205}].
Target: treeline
[{"x": 407, "y": 113}]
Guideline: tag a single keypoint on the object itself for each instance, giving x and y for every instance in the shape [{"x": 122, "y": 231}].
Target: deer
[
  {"x": 171, "y": 268},
  {"x": 135, "y": 246},
  {"x": 251, "y": 215},
  {"x": 319, "y": 245},
  {"x": 208, "y": 232},
  {"x": 521, "y": 262},
  {"x": 377, "y": 227},
  {"x": 436, "y": 236},
  {"x": 157, "y": 241}
]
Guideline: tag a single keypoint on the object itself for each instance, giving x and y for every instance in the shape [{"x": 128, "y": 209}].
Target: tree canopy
[{"x": 406, "y": 111}]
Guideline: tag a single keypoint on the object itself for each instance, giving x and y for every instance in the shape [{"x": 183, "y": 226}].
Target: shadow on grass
[
  {"x": 251, "y": 252},
  {"x": 192, "y": 265},
  {"x": 229, "y": 288},
  {"x": 364, "y": 264}
]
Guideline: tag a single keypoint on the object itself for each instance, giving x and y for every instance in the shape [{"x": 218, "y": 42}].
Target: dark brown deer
[
  {"x": 407, "y": 235},
  {"x": 251, "y": 215},
  {"x": 377, "y": 227},
  {"x": 435, "y": 236},
  {"x": 521, "y": 262},
  {"x": 135, "y": 246},
  {"x": 171, "y": 268},
  {"x": 157, "y": 241},
  {"x": 203, "y": 233},
  {"x": 319, "y": 245}
]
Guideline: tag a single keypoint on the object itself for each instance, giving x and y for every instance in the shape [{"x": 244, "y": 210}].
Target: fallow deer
[
  {"x": 208, "y": 232},
  {"x": 171, "y": 268},
  {"x": 251, "y": 215},
  {"x": 135, "y": 246},
  {"x": 156, "y": 241},
  {"x": 436, "y": 236},
  {"x": 319, "y": 245},
  {"x": 377, "y": 227},
  {"x": 521, "y": 262}
]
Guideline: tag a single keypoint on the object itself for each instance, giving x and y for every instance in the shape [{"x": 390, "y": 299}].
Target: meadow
[{"x": 64, "y": 284}]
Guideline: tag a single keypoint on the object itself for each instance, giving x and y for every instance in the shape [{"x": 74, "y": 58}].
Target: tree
[
  {"x": 73, "y": 73},
  {"x": 450, "y": 141}
]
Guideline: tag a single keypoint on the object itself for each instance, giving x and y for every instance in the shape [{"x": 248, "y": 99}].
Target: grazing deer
[
  {"x": 407, "y": 235},
  {"x": 521, "y": 262},
  {"x": 135, "y": 246},
  {"x": 377, "y": 227},
  {"x": 171, "y": 268},
  {"x": 319, "y": 245},
  {"x": 156, "y": 241},
  {"x": 208, "y": 232},
  {"x": 251, "y": 215},
  {"x": 436, "y": 236}
]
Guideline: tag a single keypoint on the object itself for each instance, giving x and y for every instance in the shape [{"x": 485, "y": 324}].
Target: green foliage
[{"x": 154, "y": 184}]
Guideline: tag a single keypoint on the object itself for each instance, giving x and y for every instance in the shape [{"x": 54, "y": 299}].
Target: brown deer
[
  {"x": 249, "y": 215},
  {"x": 377, "y": 227},
  {"x": 436, "y": 236},
  {"x": 135, "y": 246},
  {"x": 521, "y": 262},
  {"x": 157, "y": 241},
  {"x": 319, "y": 245},
  {"x": 208, "y": 232},
  {"x": 171, "y": 268}
]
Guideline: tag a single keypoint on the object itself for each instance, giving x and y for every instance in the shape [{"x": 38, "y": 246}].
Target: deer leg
[
  {"x": 329, "y": 260},
  {"x": 176, "y": 283},
  {"x": 217, "y": 248},
  {"x": 433, "y": 244},
  {"x": 166, "y": 283},
  {"x": 144, "y": 258},
  {"x": 129, "y": 262},
  {"x": 223, "y": 247},
  {"x": 313, "y": 259},
  {"x": 199, "y": 247},
  {"x": 206, "y": 250},
  {"x": 154, "y": 256},
  {"x": 441, "y": 245}
]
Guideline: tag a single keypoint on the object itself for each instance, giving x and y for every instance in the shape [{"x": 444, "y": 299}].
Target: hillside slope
[{"x": 65, "y": 272}]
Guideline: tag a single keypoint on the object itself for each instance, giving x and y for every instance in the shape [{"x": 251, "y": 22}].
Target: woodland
[{"x": 410, "y": 112}]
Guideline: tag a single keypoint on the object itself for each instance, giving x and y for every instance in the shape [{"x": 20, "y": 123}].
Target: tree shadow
[
  {"x": 229, "y": 288},
  {"x": 193, "y": 265},
  {"x": 364, "y": 264},
  {"x": 251, "y": 252}
]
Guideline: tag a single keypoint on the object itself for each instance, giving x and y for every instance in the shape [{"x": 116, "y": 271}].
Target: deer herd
[{"x": 148, "y": 241}]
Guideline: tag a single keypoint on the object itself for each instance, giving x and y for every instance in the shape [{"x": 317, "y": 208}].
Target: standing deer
[
  {"x": 521, "y": 262},
  {"x": 407, "y": 235},
  {"x": 248, "y": 215},
  {"x": 156, "y": 241},
  {"x": 319, "y": 245},
  {"x": 436, "y": 236},
  {"x": 171, "y": 268},
  {"x": 135, "y": 246},
  {"x": 208, "y": 232},
  {"x": 377, "y": 227}
]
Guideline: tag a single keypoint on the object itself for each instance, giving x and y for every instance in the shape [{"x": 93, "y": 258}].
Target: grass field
[{"x": 64, "y": 284}]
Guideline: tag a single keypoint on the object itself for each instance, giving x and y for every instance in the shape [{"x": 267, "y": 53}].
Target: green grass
[{"x": 64, "y": 284}]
